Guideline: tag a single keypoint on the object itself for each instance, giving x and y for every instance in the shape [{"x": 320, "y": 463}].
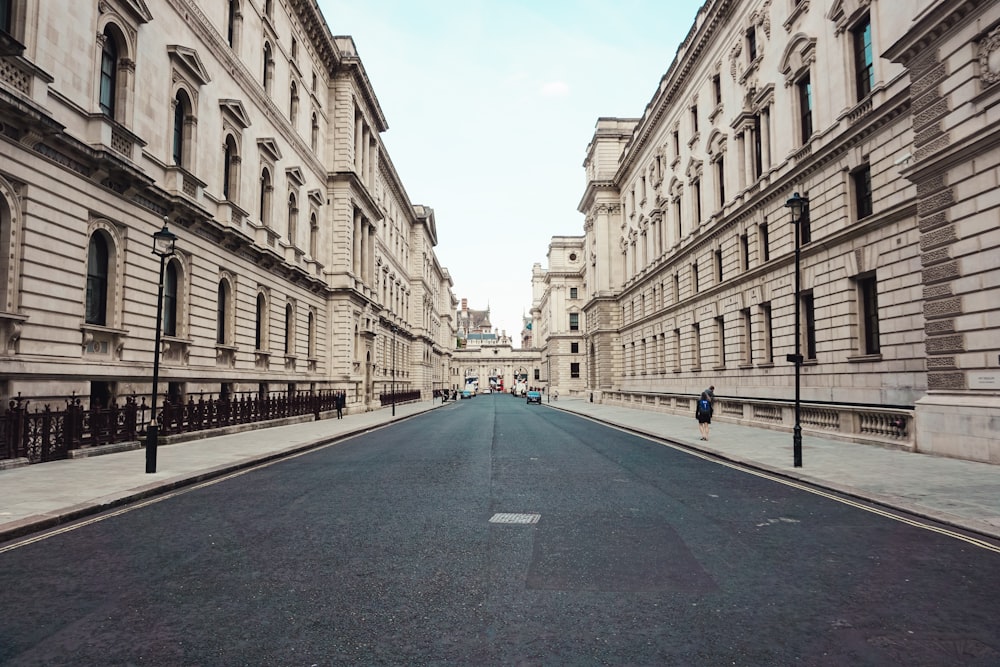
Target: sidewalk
[{"x": 962, "y": 494}]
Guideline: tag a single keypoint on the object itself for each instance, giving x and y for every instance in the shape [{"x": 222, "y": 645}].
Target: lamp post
[
  {"x": 799, "y": 206},
  {"x": 164, "y": 242}
]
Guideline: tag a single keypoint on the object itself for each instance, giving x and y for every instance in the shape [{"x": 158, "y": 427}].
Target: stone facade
[
  {"x": 881, "y": 114},
  {"x": 255, "y": 136},
  {"x": 557, "y": 314}
]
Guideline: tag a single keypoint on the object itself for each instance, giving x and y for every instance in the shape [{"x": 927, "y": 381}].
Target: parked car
[
  {"x": 535, "y": 397},
  {"x": 467, "y": 394}
]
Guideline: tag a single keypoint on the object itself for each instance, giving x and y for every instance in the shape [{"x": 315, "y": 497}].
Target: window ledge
[{"x": 861, "y": 358}]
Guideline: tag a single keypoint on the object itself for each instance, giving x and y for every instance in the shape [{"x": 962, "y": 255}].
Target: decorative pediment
[
  {"x": 269, "y": 147},
  {"x": 716, "y": 143},
  {"x": 316, "y": 197},
  {"x": 845, "y": 12},
  {"x": 136, "y": 9},
  {"x": 798, "y": 56},
  {"x": 693, "y": 170},
  {"x": 295, "y": 177},
  {"x": 234, "y": 111},
  {"x": 187, "y": 60}
]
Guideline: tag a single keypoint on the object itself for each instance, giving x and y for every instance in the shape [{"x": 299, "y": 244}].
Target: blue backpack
[{"x": 704, "y": 406}]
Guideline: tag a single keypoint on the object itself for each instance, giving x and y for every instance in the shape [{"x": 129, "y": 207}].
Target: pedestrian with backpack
[{"x": 703, "y": 413}]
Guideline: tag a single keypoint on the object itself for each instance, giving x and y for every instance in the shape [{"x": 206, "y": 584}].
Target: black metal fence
[
  {"x": 389, "y": 397},
  {"x": 47, "y": 435}
]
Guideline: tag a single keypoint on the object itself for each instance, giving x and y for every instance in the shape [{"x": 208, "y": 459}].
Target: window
[
  {"x": 574, "y": 321},
  {"x": 808, "y": 325},
  {"x": 677, "y": 349},
  {"x": 751, "y": 44},
  {"x": 181, "y": 111},
  {"x": 574, "y": 348},
  {"x": 694, "y": 118},
  {"x": 758, "y": 147},
  {"x": 221, "y": 314},
  {"x": 230, "y": 169},
  {"x": 289, "y": 329},
  {"x": 97, "y": 281},
  {"x": 6, "y": 15},
  {"x": 572, "y": 292},
  {"x": 260, "y": 340},
  {"x": 574, "y": 369},
  {"x": 694, "y": 278},
  {"x": 314, "y": 137},
  {"x": 868, "y": 298},
  {"x": 747, "y": 340},
  {"x": 720, "y": 180},
  {"x": 696, "y": 201},
  {"x": 718, "y": 266},
  {"x": 717, "y": 88},
  {"x": 231, "y": 19},
  {"x": 293, "y": 219},
  {"x": 313, "y": 236},
  {"x": 268, "y": 68},
  {"x": 293, "y": 103},
  {"x": 767, "y": 354},
  {"x": 744, "y": 252},
  {"x": 861, "y": 179},
  {"x": 311, "y": 332},
  {"x": 696, "y": 347},
  {"x": 109, "y": 74},
  {"x": 677, "y": 221},
  {"x": 805, "y": 108},
  {"x": 864, "y": 64},
  {"x": 805, "y": 227},
  {"x": 170, "y": 299},
  {"x": 265, "y": 197},
  {"x": 720, "y": 327},
  {"x": 677, "y": 287},
  {"x": 762, "y": 237}
]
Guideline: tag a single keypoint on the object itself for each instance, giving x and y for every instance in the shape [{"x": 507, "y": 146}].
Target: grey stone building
[{"x": 254, "y": 134}]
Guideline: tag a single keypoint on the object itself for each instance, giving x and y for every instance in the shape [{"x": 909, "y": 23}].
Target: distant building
[{"x": 475, "y": 330}]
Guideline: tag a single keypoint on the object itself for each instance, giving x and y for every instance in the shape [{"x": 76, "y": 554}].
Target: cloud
[{"x": 554, "y": 89}]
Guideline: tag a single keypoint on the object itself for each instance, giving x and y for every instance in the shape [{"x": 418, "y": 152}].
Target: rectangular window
[
  {"x": 677, "y": 143},
  {"x": 574, "y": 370},
  {"x": 864, "y": 64},
  {"x": 696, "y": 347},
  {"x": 861, "y": 179},
  {"x": 574, "y": 321},
  {"x": 808, "y": 326},
  {"x": 574, "y": 348},
  {"x": 747, "y": 339},
  {"x": 572, "y": 292},
  {"x": 767, "y": 347},
  {"x": 765, "y": 250},
  {"x": 694, "y": 278},
  {"x": 677, "y": 221},
  {"x": 718, "y": 266},
  {"x": 744, "y": 252},
  {"x": 717, "y": 88},
  {"x": 696, "y": 201},
  {"x": 677, "y": 349},
  {"x": 720, "y": 178},
  {"x": 805, "y": 108},
  {"x": 694, "y": 119},
  {"x": 751, "y": 44},
  {"x": 805, "y": 227},
  {"x": 538, "y": 375},
  {"x": 758, "y": 147},
  {"x": 868, "y": 298},
  {"x": 720, "y": 325},
  {"x": 677, "y": 288}
]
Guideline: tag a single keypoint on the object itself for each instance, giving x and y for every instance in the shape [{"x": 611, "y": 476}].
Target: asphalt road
[{"x": 381, "y": 550}]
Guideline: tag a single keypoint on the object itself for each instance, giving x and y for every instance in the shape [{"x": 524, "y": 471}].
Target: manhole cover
[{"x": 509, "y": 517}]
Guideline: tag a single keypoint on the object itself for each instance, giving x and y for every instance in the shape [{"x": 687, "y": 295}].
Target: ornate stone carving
[{"x": 989, "y": 58}]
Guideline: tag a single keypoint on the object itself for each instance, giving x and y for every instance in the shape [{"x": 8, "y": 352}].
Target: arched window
[
  {"x": 170, "y": 293},
  {"x": 289, "y": 329},
  {"x": 97, "y": 281},
  {"x": 311, "y": 332},
  {"x": 261, "y": 329},
  {"x": 268, "y": 68},
  {"x": 182, "y": 107},
  {"x": 293, "y": 218},
  {"x": 265, "y": 197},
  {"x": 109, "y": 74},
  {"x": 222, "y": 308},
  {"x": 313, "y": 236},
  {"x": 230, "y": 169}
]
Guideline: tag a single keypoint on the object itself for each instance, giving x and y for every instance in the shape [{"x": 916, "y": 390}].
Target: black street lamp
[
  {"x": 164, "y": 242},
  {"x": 799, "y": 206}
]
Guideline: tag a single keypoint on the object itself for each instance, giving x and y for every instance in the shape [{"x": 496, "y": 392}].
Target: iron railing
[{"x": 48, "y": 435}]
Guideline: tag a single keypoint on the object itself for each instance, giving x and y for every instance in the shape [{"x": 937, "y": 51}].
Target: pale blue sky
[{"x": 490, "y": 106}]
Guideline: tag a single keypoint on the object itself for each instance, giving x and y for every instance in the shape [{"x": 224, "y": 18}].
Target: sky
[{"x": 490, "y": 106}]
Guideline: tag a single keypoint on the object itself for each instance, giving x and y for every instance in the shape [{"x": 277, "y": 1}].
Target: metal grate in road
[{"x": 510, "y": 517}]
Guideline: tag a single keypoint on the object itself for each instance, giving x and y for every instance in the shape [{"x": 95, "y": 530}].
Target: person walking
[
  {"x": 341, "y": 400},
  {"x": 703, "y": 413}
]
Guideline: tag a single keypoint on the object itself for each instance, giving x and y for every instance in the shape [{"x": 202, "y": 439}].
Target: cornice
[{"x": 930, "y": 26}]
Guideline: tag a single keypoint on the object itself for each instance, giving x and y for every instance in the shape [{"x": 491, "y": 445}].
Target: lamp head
[
  {"x": 797, "y": 204},
  {"x": 164, "y": 241}
]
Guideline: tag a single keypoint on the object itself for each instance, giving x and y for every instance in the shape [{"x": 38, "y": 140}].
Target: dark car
[{"x": 535, "y": 397}]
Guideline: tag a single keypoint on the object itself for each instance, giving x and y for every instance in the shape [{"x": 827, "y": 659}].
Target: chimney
[{"x": 465, "y": 305}]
